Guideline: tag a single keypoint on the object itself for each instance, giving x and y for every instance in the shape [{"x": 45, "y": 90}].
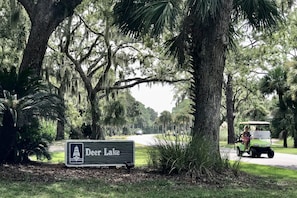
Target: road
[{"x": 279, "y": 159}]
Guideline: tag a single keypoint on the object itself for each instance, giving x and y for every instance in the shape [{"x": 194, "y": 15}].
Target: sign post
[{"x": 100, "y": 153}]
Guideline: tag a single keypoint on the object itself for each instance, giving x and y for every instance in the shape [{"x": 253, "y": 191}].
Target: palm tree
[
  {"x": 22, "y": 101},
  {"x": 165, "y": 119},
  {"x": 202, "y": 34},
  {"x": 115, "y": 115},
  {"x": 276, "y": 81}
]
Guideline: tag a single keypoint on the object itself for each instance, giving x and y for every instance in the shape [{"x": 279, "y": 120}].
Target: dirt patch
[{"x": 43, "y": 172}]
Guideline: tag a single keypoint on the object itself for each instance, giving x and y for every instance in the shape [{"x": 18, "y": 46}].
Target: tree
[
  {"x": 59, "y": 72},
  {"x": 182, "y": 117},
  {"x": 82, "y": 37},
  {"x": 45, "y": 16},
  {"x": 165, "y": 119},
  {"x": 115, "y": 115},
  {"x": 279, "y": 80},
  {"x": 244, "y": 67},
  {"x": 291, "y": 96},
  {"x": 202, "y": 36},
  {"x": 13, "y": 32},
  {"x": 230, "y": 108}
]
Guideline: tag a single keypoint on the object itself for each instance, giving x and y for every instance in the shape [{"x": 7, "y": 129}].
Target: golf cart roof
[{"x": 255, "y": 123}]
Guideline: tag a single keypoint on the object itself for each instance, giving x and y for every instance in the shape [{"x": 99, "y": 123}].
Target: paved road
[
  {"x": 146, "y": 139},
  {"x": 279, "y": 159}
]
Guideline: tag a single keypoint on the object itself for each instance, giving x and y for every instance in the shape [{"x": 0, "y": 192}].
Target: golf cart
[{"x": 260, "y": 139}]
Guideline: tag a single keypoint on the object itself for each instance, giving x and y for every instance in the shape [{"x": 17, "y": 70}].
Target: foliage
[
  {"x": 93, "y": 61},
  {"x": 31, "y": 141},
  {"x": 48, "y": 129},
  {"x": 115, "y": 114},
  {"x": 182, "y": 118},
  {"x": 26, "y": 100},
  {"x": 195, "y": 24},
  {"x": 182, "y": 156},
  {"x": 55, "y": 180},
  {"x": 13, "y": 33}
]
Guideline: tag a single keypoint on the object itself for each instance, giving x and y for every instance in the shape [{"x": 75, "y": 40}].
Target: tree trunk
[
  {"x": 285, "y": 138},
  {"x": 60, "y": 135},
  {"x": 60, "y": 131},
  {"x": 97, "y": 132},
  {"x": 210, "y": 41},
  {"x": 45, "y": 16},
  {"x": 230, "y": 110},
  {"x": 295, "y": 131},
  {"x": 8, "y": 135}
]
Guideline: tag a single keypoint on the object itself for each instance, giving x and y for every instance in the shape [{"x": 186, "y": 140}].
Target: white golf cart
[{"x": 260, "y": 140}]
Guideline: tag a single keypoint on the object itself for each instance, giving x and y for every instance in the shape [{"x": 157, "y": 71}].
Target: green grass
[
  {"x": 141, "y": 156},
  {"x": 290, "y": 150},
  {"x": 274, "y": 182},
  {"x": 155, "y": 189},
  {"x": 57, "y": 157},
  {"x": 94, "y": 188},
  {"x": 271, "y": 172},
  {"x": 278, "y": 147}
]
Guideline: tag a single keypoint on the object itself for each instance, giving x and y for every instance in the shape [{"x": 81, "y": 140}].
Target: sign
[{"x": 99, "y": 153}]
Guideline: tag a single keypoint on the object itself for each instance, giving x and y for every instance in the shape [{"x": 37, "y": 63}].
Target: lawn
[
  {"x": 261, "y": 181},
  {"x": 274, "y": 182}
]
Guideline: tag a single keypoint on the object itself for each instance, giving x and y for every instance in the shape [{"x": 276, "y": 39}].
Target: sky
[{"x": 157, "y": 97}]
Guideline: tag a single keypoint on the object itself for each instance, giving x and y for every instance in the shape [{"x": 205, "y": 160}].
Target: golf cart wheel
[
  {"x": 270, "y": 153},
  {"x": 238, "y": 152},
  {"x": 253, "y": 152}
]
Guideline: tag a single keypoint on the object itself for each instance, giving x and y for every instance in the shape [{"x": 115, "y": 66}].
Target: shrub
[
  {"x": 31, "y": 141},
  {"x": 48, "y": 130},
  {"x": 193, "y": 157}
]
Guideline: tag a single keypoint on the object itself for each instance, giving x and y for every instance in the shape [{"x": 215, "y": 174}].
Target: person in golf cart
[{"x": 246, "y": 136}]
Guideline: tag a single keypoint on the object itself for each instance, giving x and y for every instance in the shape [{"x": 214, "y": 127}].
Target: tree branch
[
  {"x": 89, "y": 28},
  {"x": 29, "y": 7},
  {"x": 136, "y": 81},
  {"x": 88, "y": 54}
]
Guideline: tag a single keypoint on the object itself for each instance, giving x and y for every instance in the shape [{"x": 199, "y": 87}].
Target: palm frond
[
  {"x": 260, "y": 14},
  {"x": 123, "y": 12},
  {"x": 141, "y": 17},
  {"x": 204, "y": 9},
  {"x": 176, "y": 47}
]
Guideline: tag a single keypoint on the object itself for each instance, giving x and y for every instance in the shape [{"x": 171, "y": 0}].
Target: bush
[
  {"x": 48, "y": 130},
  {"x": 31, "y": 141},
  {"x": 193, "y": 157}
]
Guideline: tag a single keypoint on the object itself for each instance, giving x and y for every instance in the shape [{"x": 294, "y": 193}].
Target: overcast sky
[{"x": 158, "y": 97}]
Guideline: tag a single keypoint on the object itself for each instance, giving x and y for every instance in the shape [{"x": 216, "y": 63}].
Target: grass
[
  {"x": 274, "y": 182},
  {"x": 97, "y": 189},
  {"x": 278, "y": 147},
  {"x": 269, "y": 171},
  {"x": 289, "y": 150}
]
